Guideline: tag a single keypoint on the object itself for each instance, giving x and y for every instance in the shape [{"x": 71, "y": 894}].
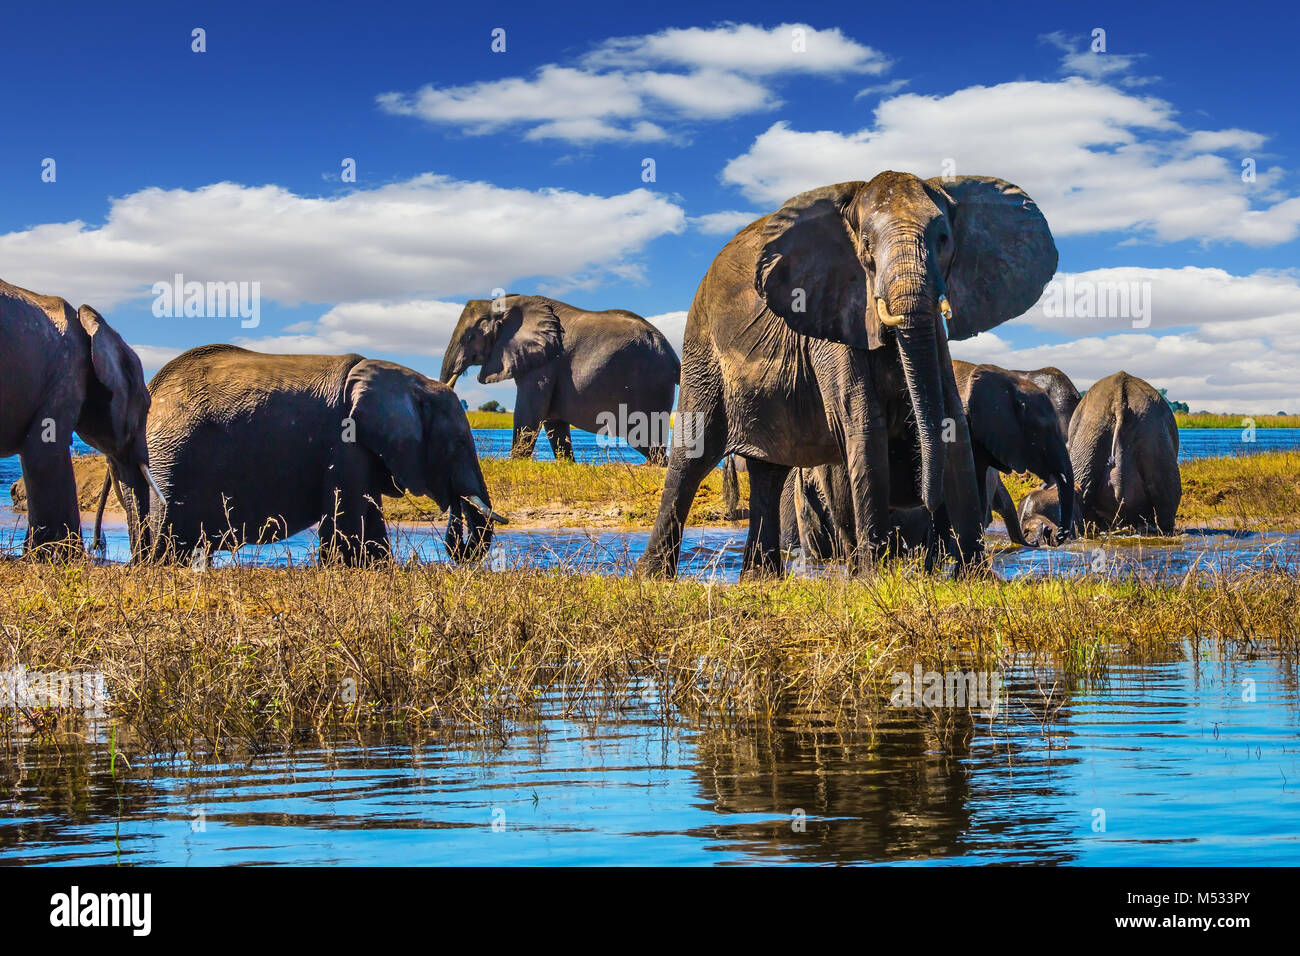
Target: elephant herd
[{"x": 816, "y": 348}]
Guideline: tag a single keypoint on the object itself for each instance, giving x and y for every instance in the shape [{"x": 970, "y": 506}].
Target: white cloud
[
  {"x": 632, "y": 89},
  {"x": 724, "y": 223},
  {"x": 1239, "y": 352},
  {"x": 882, "y": 89},
  {"x": 1081, "y": 58},
  {"x": 154, "y": 357},
  {"x": 411, "y": 327},
  {"x": 1095, "y": 158},
  {"x": 744, "y": 48},
  {"x": 429, "y": 236},
  {"x": 672, "y": 325}
]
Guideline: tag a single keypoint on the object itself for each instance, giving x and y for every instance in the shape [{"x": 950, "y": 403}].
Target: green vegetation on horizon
[{"x": 1212, "y": 420}]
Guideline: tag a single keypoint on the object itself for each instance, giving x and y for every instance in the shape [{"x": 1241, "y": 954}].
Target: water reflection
[{"x": 1182, "y": 769}]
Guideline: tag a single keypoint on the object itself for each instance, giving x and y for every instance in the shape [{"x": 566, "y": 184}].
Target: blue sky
[{"x": 524, "y": 169}]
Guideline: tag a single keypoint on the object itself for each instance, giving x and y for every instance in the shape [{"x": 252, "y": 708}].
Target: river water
[{"x": 1190, "y": 762}]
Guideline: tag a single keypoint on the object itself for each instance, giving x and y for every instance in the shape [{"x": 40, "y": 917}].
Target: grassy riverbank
[
  {"x": 242, "y": 659},
  {"x": 492, "y": 420},
  {"x": 1211, "y": 420},
  {"x": 531, "y": 493},
  {"x": 1259, "y": 491}
]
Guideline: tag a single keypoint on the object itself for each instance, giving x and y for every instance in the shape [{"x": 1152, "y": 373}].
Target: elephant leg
[
  {"x": 561, "y": 441},
  {"x": 53, "y": 512},
  {"x": 1006, "y": 509},
  {"x": 730, "y": 488},
  {"x": 693, "y": 457},
  {"x": 524, "y": 439},
  {"x": 354, "y": 533},
  {"x": 867, "y": 457},
  {"x": 532, "y": 401},
  {"x": 763, "y": 544}
]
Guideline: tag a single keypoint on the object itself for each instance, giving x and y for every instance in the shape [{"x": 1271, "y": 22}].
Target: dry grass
[
  {"x": 491, "y": 419},
  {"x": 1250, "y": 491},
  {"x": 242, "y": 659},
  {"x": 572, "y": 494}
]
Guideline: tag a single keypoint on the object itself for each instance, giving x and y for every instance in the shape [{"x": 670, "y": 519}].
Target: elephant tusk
[
  {"x": 882, "y": 311},
  {"x": 945, "y": 309},
  {"x": 487, "y": 512},
  {"x": 451, "y": 382},
  {"x": 144, "y": 470}
]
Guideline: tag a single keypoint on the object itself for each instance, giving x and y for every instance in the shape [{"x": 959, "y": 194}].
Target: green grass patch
[{"x": 1209, "y": 420}]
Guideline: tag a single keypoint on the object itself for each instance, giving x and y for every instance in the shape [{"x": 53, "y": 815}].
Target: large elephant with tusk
[
  {"x": 251, "y": 448},
  {"x": 65, "y": 370},
  {"x": 820, "y": 335},
  {"x": 609, "y": 372}
]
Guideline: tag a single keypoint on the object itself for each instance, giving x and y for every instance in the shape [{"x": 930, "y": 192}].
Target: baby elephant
[
  {"x": 248, "y": 447},
  {"x": 1040, "y": 517},
  {"x": 1124, "y": 446}
]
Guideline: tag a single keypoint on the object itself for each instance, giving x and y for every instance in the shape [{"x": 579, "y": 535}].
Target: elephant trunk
[
  {"x": 1062, "y": 473},
  {"x": 920, "y": 359},
  {"x": 1065, "y": 494},
  {"x": 452, "y": 365},
  {"x": 470, "y": 517},
  {"x": 133, "y": 487}
]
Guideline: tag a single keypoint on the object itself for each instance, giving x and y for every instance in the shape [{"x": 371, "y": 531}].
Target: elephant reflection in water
[{"x": 900, "y": 788}]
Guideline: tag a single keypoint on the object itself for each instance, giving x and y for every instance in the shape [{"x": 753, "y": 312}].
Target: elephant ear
[
  {"x": 1003, "y": 253},
  {"x": 117, "y": 368},
  {"x": 388, "y": 412},
  {"x": 994, "y": 409},
  {"x": 528, "y": 336},
  {"x": 808, "y": 270}
]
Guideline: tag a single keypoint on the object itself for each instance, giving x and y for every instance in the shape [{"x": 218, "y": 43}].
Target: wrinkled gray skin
[
  {"x": 64, "y": 370},
  {"x": 569, "y": 366},
  {"x": 1124, "y": 445},
  {"x": 1065, "y": 398},
  {"x": 1059, "y": 388},
  {"x": 1013, "y": 427},
  {"x": 251, "y": 448},
  {"x": 788, "y": 360}
]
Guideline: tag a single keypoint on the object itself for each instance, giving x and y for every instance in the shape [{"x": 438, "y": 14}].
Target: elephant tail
[{"x": 1115, "y": 464}]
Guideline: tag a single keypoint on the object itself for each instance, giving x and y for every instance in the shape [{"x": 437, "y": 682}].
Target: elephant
[
  {"x": 254, "y": 447},
  {"x": 1040, "y": 516},
  {"x": 608, "y": 372},
  {"x": 1013, "y": 427},
  {"x": 1124, "y": 445},
  {"x": 1065, "y": 397},
  {"x": 64, "y": 370},
  {"x": 817, "y": 336}
]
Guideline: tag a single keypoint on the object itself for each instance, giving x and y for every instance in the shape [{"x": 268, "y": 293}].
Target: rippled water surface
[{"x": 1159, "y": 764}]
